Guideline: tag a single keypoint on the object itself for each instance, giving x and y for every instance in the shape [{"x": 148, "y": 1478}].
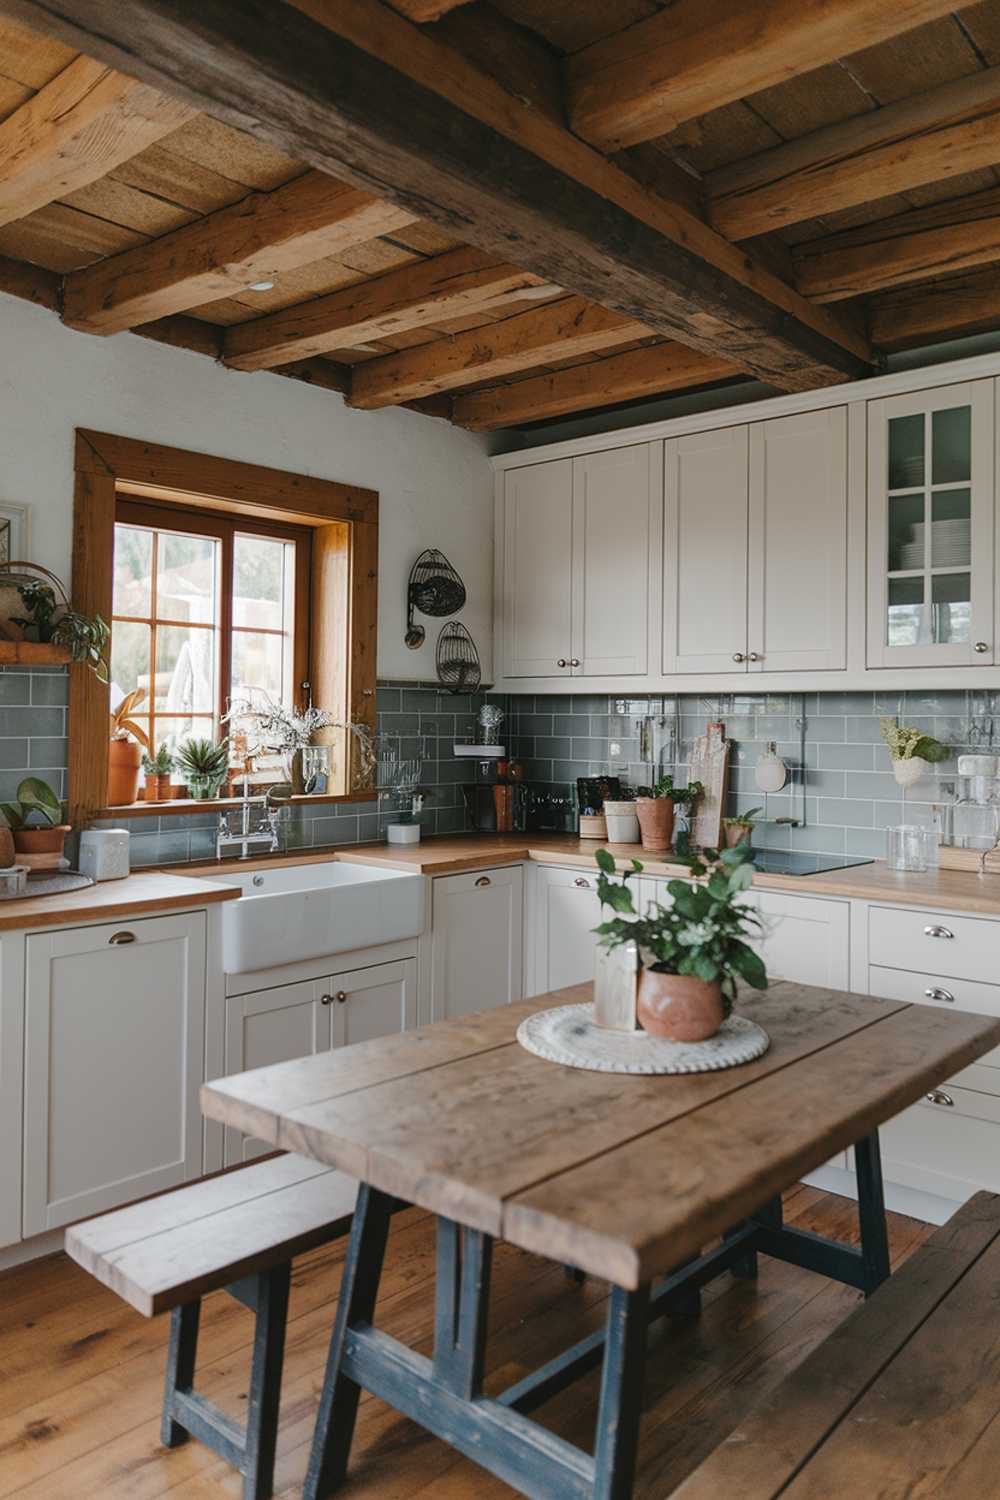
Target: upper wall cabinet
[
  {"x": 755, "y": 547},
  {"x": 580, "y": 539},
  {"x": 931, "y": 521}
]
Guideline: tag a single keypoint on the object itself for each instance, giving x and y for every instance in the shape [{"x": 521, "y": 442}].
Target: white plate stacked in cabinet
[{"x": 949, "y": 1144}]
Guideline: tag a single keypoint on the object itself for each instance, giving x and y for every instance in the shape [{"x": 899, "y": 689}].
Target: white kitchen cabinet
[
  {"x": 566, "y": 912},
  {"x": 114, "y": 1049},
  {"x": 476, "y": 944},
  {"x": 931, "y": 575},
  {"x": 380, "y": 1001},
  {"x": 580, "y": 540},
  {"x": 11, "y": 1085},
  {"x": 797, "y": 597},
  {"x": 806, "y": 938}
]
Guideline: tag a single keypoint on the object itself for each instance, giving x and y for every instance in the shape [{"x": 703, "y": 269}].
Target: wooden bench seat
[
  {"x": 239, "y": 1231},
  {"x": 903, "y": 1398}
]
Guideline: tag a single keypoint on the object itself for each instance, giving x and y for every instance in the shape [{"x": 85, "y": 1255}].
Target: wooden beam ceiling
[
  {"x": 77, "y": 128},
  {"x": 945, "y": 131},
  {"x": 261, "y": 235},
  {"x": 913, "y": 246},
  {"x": 560, "y": 331},
  {"x": 912, "y": 315},
  {"x": 366, "y": 95},
  {"x": 699, "y": 54},
  {"x": 425, "y": 10},
  {"x": 654, "y": 371},
  {"x": 447, "y": 286}
]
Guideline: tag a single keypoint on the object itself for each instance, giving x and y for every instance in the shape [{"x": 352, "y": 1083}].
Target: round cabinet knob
[
  {"x": 562, "y": 662},
  {"x": 738, "y": 656},
  {"x": 574, "y": 661},
  {"x": 753, "y": 656},
  {"x": 340, "y": 997},
  {"x": 982, "y": 646}
]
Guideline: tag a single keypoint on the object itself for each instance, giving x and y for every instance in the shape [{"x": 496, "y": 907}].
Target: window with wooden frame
[{"x": 222, "y": 581}]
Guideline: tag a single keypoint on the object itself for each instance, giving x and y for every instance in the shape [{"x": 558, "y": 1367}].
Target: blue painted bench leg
[{"x": 182, "y": 1352}]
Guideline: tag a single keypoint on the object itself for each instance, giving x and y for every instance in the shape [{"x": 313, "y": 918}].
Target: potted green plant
[
  {"x": 654, "y": 806},
  {"x": 37, "y": 844},
  {"x": 739, "y": 830},
  {"x": 912, "y": 751},
  {"x": 49, "y": 618},
  {"x": 204, "y": 764},
  {"x": 694, "y": 951},
  {"x": 125, "y": 751},
  {"x": 156, "y": 770}
]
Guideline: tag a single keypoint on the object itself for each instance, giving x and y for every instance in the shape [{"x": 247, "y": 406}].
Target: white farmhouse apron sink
[{"x": 307, "y": 911}]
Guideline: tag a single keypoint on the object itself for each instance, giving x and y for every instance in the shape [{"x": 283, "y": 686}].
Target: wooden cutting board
[{"x": 709, "y": 764}]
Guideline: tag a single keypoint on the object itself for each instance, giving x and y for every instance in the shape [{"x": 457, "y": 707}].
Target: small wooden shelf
[{"x": 33, "y": 654}]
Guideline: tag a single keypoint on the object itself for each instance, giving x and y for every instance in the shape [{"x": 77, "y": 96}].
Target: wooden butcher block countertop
[{"x": 112, "y": 899}]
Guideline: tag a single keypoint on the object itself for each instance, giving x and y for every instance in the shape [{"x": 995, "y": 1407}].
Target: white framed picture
[{"x": 13, "y": 532}]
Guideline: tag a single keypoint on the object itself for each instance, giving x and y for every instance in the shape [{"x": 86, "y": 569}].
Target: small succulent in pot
[
  {"x": 37, "y": 821},
  {"x": 204, "y": 764},
  {"x": 156, "y": 770},
  {"x": 694, "y": 951},
  {"x": 739, "y": 829},
  {"x": 912, "y": 751}
]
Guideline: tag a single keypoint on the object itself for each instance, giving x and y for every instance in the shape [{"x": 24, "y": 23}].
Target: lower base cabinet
[
  {"x": 565, "y": 912},
  {"x": 297, "y": 1020},
  {"x": 114, "y": 1057},
  {"x": 476, "y": 943},
  {"x": 806, "y": 939}
]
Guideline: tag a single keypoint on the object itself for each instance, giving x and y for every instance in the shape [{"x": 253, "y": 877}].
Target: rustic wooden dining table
[{"x": 627, "y": 1178}]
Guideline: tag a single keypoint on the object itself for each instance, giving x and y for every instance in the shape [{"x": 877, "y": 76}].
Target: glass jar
[{"x": 204, "y": 788}]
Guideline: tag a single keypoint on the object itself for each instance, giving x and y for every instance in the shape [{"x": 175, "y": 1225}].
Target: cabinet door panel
[
  {"x": 568, "y": 913},
  {"x": 537, "y": 572},
  {"x": 369, "y": 1003},
  {"x": 113, "y": 1065},
  {"x": 476, "y": 943},
  {"x": 798, "y": 543},
  {"x": 612, "y": 547},
  {"x": 705, "y": 552},
  {"x": 806, "y": 939},
  {"x": 272, "y": 1026}
]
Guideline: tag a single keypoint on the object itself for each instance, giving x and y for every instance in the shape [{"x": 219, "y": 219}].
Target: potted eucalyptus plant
[
  {"x": 694, "y": 951},
  {"x": 655, "y": 805}
]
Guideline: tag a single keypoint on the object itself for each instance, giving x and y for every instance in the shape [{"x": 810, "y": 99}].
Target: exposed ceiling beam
[
  {"x": 913, "y": 246},
  {"x": 80, "y": 126},
  {"x": 699, "y": 54},
  {"x": 560, "y": 331},
  {"x": 425, "y": 10},
  {"x": 221, "y": 254},
  {"x": 448, "y": 286},
  {"x": 621, "y": 377},
  {"x": 948, "y": 130},
  {"x": 360, "y": 92},
  {"x": 913, "y": 315}
]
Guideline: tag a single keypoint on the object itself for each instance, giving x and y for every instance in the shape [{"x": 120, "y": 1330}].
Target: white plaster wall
[{"x": 434, "y": 482}]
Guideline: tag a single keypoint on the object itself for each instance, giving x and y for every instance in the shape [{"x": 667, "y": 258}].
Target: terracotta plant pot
[
  {"x": 156, "y": 788},
  {"x": 656, "y": 821},
  {"x": 124, "y": 760},
  {"x": 6, "y": 847},
  {"x": 40, "y": 848},
  {"x": 679, "y": 1007},
  {"x": 737, "y": 833}
]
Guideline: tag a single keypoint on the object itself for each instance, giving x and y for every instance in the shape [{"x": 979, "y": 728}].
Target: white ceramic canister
[
  {"x": 623, "y": 825},
  {"x": 104, "y": 853}
]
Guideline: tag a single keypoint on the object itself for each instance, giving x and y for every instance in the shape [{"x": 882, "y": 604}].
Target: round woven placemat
[{"x": 568, "y": 1035}]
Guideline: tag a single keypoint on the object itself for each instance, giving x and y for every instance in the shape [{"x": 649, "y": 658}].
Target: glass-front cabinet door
[{"x": 930, "y": 532}]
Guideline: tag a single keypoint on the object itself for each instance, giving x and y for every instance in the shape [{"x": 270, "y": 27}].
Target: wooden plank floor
[{"x": 81, "y": 1374}]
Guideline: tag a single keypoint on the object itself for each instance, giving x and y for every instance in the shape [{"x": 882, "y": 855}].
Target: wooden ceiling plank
[
  {"x": 570, "y": 326},
  {"x": 912, "y": 315},
  {"x": 425, "y": 10},
  {"x": 77, "y": 128},
  {"x": 367, "y": 96},
  {"x": 913, "y": 246},
  {"x": 254, "y": 239},
  {"x": 409, "y": 298},
  {"x": 653, "y": 371},
  {"x": 700, "y": 54},
  {"x": 938, "y": 134}
]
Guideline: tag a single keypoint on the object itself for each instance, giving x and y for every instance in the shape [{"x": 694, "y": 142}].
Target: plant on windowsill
[
  {"x": 739, "y": 830},
  {"x": 36, "y": 821},
  {"x": 284, "y": 731},
  {"x": 128, "y": 739},
  {"x": 655, "y": 805},
  {"x": 204, "y": 765},
  {"x": 912, "y": 751},
  {"x": 694, "y": 951},
  {"x": 156, "y": 771}
]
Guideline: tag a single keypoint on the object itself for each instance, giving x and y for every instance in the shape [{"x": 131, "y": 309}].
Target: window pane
[
  {"x": 133, "y": 568},
  {"x": 951, "y": 438},
  {"x": 186, "y": 670},
  {"x": 906, "y": 532},
  {"x": 173, "y": 729},
  {"x": 951, "y": 596},
  {"x": 951, "y": 529},
  {"x": 130, "y": 657},
  {"x": 186, "y": 582},
  {"x": 906, "y": 452},
  {"x": 259, "y": 582},
  {"x": 258, "y": 663}
]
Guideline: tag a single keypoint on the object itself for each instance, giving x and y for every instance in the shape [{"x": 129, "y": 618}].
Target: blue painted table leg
[
  {"x": 265, "y": 1382},
  {"x": 621, "y": 1394},
  {"x": 182, "y": 1352},
  {"x": 338, "y": 1407},
  {"x": 871, "y": 1214}
]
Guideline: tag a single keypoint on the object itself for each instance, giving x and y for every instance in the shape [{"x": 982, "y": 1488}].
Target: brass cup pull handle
[
  {"x": 119, "y": 938},
  {"x": 939, "y": 1096},
  {"x": 484, "y": 880},
  {"x": 937, "y": 994},
  {"x": 580, "y": 881},
  {"x": 937, "y": 931}
]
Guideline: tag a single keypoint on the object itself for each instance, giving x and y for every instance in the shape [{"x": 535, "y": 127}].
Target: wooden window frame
[{"x": 341, "y": 598}]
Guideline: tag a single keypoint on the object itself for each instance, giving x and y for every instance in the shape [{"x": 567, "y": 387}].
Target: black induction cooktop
[{"x": 785, "y": 862}]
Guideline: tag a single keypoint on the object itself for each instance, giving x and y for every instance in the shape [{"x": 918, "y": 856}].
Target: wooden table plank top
[{"x": 622, "y": 1176}]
